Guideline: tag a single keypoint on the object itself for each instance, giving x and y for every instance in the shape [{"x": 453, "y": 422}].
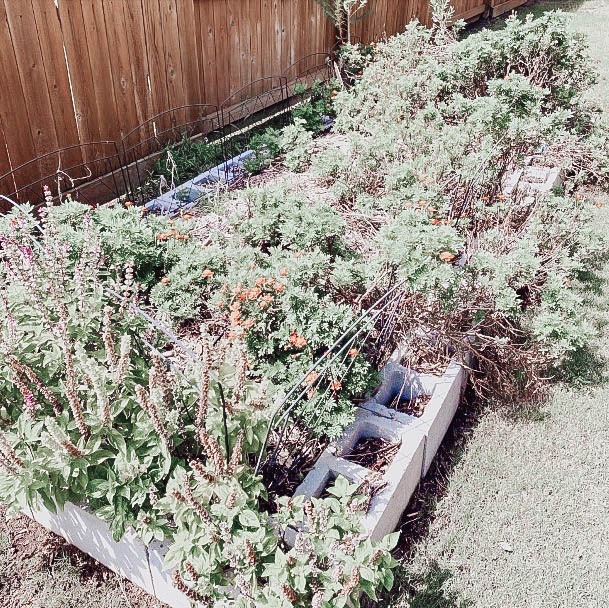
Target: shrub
[
  {"x": 266, "y": 147},
  {"x": 296, "y": 142},
  {"x": 92, "y": 414},
  {"x": 316, "y": 105}
]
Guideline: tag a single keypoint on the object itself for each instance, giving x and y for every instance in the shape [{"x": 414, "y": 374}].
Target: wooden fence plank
[
  {"x": 18, "y": 141},
  {"x": 24, "y": 35},
  {"x": 55, "y": 68},
  {"x": 128, "y": 61},
  {"x": 135, "y": 36},
  {"x": 120, "y": 64},
  {"x": 91, "y": 113},
  {"x": 207, "y": 54}
]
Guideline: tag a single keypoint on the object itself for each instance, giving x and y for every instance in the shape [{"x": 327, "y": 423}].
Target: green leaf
[{"x": 249, "y": 519}]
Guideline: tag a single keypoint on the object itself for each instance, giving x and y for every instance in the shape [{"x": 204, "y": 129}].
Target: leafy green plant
[
  {"x": 187, "y": 158},
  {"x": 330, "y": 563},
  {"x": 316, "y": 104},
  {"x": 296, "y": 142},
  {"x": 266, "y": 147}
]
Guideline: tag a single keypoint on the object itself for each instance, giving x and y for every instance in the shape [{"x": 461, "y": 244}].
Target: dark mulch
[
  {"x": 414, "y": 406},
  {"x": 374, "y": 453}
]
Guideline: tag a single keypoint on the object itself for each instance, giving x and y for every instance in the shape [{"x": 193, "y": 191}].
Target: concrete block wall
[{"x": 419, "y": 438}]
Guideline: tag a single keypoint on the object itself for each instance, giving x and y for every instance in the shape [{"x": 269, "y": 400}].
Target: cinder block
[
  {"x": 85, "y": 530},
  {"x": 402, "y": 478},
  {"x": 533, "y": 180},
  {"x": 440, "y": 411},
  {"x": 162, "y": 586},
  {"x": 399, "y": 381}
]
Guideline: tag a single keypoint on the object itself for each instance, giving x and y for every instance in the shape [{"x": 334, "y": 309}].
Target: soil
[
  {"x": 414, "y": 406},
  {"x": 374, "y": 453},
  {"x": 291, "y": 464},
  {"x": 29, "y": 551}
]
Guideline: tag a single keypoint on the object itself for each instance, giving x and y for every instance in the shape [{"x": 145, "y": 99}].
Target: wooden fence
[{"x": 81, "y": 71}]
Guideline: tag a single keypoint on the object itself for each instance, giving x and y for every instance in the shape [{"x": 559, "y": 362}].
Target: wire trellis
[
  {"x": 100, "y": 171},
  {"x": 289, "y": 444}
]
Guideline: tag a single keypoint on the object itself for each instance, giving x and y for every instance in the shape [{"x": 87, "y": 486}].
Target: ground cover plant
[{"x": 142, "y": 356}]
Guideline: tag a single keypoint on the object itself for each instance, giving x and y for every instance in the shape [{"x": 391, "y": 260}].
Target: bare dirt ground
[{"x": 40, "y": 570}]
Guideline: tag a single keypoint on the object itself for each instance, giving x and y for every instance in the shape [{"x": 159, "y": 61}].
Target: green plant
[
  {"x": 296, "y": 142},
  {"x": 353, "y": 60},
  {"x": 342, "y": 13},
  {"x": 187, "y": 158},
  {"x": 93, "y": 415},
  {"x": 266, "y": 147},
  {"x": 316, "y": 104},
  {"x": 330, "y": 563}
]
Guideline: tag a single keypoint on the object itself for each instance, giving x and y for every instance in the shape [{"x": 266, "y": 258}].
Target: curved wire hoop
[
  {"x": 316, "y": 67},
  {"x": 91, "y": 172}
]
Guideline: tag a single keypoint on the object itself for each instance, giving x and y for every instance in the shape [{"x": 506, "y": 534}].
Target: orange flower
[
  {"x": 485, "y": 198},
  {"x": 248, "y": 324},
  {"x": 260, "y": 281},
  {"x": 335, "y": 385},
  {"x": 310, "y": 379},
  {"x": 243, "y": 296},
  {"x": 279, "y": 287},
  {"x": 446, "y": 256},
  {"x": 297, "y": 341},
  {"x": 435, "y": 221},
  {"x": 283, "y": 272},
  {"x": 599, "y": 204},
  {"x": 253, "y": 293},
  {"x": 208, "y": 274},
  {"x": 235, "y": 306},
  {"x": 265, "y": 302},
  {"x": 165, "y": 281},
  {"x": 232, "y": 335},
  {"x": 128, "y": 204},
  {"x": 353, "y": 352}
]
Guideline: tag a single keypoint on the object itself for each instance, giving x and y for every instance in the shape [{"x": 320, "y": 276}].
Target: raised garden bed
[{"x": 417, "y": 438}]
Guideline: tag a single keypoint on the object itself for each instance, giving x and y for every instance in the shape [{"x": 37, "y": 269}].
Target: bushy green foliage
[
  {"x": 90, "y": 414},
  {"x": 316, "y": 104},
  {"x": 296, "y": 142},
  {"x": 330, "y": 564},
  {"x": 266, "y": 147},
  {"x": 183, "y": 160},
  {"x": 434, "y": 130}
]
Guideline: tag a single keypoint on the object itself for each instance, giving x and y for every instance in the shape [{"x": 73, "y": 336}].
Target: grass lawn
[{"x": 516, "y": 511}]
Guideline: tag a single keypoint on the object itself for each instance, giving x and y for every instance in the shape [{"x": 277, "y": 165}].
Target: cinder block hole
[
  {"x": 374, "y": 453},
  {"x": 413, "y": 405}
]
